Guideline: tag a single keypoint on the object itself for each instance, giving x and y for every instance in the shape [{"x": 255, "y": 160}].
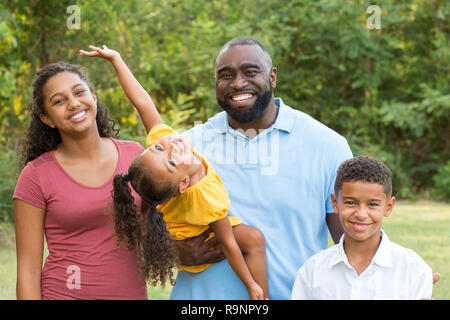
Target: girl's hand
[
  {"x": 255, "y": 292},
  {"x": 104, "y": 53}
]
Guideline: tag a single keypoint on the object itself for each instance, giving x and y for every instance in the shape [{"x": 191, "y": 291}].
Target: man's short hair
[
  {"x": 365, "y": 169},
  {"x": 243, "y": 41}
]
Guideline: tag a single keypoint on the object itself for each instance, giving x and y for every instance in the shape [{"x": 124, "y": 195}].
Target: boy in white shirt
[{"x": 364, "y": 264}]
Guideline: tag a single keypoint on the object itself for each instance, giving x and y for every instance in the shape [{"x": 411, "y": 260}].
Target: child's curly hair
[
  {"x": 366, "y": 169},
  {"x": 40, "y": 138},
  {"x": 146, "y": 233}
]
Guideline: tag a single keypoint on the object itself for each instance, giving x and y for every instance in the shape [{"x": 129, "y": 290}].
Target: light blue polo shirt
[{"x": 279, "y": 182}]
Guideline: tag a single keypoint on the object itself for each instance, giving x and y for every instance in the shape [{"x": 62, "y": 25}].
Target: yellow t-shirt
[{"x": 190, "y": 213}]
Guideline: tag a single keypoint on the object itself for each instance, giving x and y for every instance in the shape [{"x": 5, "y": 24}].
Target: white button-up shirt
[{"x": 394, "y": 273}]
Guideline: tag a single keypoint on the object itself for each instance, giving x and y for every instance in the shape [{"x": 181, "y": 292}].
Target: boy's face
[{"x": 361, "y": 207}]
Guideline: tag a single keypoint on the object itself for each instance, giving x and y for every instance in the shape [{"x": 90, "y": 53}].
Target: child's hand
[
  {"x": 255, "y": 292},
  {"x": 105, "y": 53}
]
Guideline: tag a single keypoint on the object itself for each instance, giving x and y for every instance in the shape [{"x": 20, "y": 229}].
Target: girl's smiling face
[
  {"x": 361, "y": 207},
  {"x": 69, "y": 103},
  {"x": 171, "y": 159}
]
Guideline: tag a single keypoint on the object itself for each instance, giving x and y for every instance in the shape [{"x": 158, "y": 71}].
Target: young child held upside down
[{"x": 185, "y": 198}]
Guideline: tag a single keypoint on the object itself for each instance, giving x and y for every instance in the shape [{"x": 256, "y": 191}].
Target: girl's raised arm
[{"x": 133, "y": 89}]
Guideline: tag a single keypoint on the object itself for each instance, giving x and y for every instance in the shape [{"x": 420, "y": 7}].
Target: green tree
[{"x": 385, "y": 90}]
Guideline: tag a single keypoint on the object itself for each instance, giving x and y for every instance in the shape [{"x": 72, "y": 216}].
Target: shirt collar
[
  {"x": 382, "y": 256},
  {"x": 284, "y": 120},
  {"x": 339, "y": 253}
]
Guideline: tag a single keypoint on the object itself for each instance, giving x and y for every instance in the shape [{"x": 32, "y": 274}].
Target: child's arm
[
  {"x": 132, "y": 88},
  {"x": 224, "y": 233}
]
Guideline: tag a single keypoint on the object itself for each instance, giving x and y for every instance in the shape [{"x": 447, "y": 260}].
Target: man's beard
[{"x": 255, "y": 112}]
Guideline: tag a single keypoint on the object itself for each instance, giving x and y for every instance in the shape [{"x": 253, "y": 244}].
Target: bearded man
[{"x": 278, "y": 165}]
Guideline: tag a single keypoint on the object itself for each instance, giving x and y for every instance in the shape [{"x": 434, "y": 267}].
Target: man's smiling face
[{"x": 245, "y": 79}]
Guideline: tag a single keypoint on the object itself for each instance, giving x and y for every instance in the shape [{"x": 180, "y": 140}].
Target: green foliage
[
  {"x": 441, "y": 189},
  {"x": 385, "y": 90},
  {"x": 8, "y": 172}
]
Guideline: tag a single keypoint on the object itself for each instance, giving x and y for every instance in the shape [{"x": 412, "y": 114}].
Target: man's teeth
[
  {"x": 241, "y": 97},
  {"x": 78, "y": 115}
]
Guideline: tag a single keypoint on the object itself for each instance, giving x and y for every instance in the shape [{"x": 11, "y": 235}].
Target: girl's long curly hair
[
  {"x": 146, "y": 233},
  {"x": 40, "y": 138}
]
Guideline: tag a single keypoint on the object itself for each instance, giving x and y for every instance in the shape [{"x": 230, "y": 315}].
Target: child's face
[
  {"x": 170, "y": 159},
  {"x": 362, "y": 207},
  {"x": 69, "y": 103}
]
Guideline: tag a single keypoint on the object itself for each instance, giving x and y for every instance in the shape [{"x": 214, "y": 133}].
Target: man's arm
[
  {"x": 132, "y": 88},
  {"x": 334, "y": 226},
  {"x": 194, "y": 251}
]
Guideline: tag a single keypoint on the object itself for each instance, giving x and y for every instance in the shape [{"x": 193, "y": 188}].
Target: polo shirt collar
[
  {"x": 284, "y": 120},
  {"x": 382, "y": 256}
]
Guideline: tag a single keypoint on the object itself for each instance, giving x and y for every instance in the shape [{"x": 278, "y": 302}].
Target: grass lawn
[
  {"x": 425, "y": 228},
  {"x": 422, "y": 226}
]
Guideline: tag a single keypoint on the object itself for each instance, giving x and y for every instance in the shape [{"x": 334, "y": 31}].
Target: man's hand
[
  {"x": 436, "y": 277},
  {"x": 194, "y": 251},
  {"x": 105, "y": 53}
]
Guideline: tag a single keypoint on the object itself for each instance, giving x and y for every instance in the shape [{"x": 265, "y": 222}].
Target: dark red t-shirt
[{"x": 84, "y": 261}]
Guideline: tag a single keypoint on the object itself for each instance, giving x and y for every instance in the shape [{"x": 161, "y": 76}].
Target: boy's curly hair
[
  {"x": 366, "y": 169},
  {"x": 40, "y": 138},
  {"x": 146, "y": 233}
]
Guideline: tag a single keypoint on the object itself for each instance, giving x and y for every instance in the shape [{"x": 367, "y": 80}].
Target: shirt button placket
[{"x": 356, "y": 288}]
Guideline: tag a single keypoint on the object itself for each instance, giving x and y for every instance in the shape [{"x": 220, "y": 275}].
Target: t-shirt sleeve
[
  {"x": 157, "y": 132},
  {"x": 29, "y": 187},
  {"x": 207, "y": 204}
]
